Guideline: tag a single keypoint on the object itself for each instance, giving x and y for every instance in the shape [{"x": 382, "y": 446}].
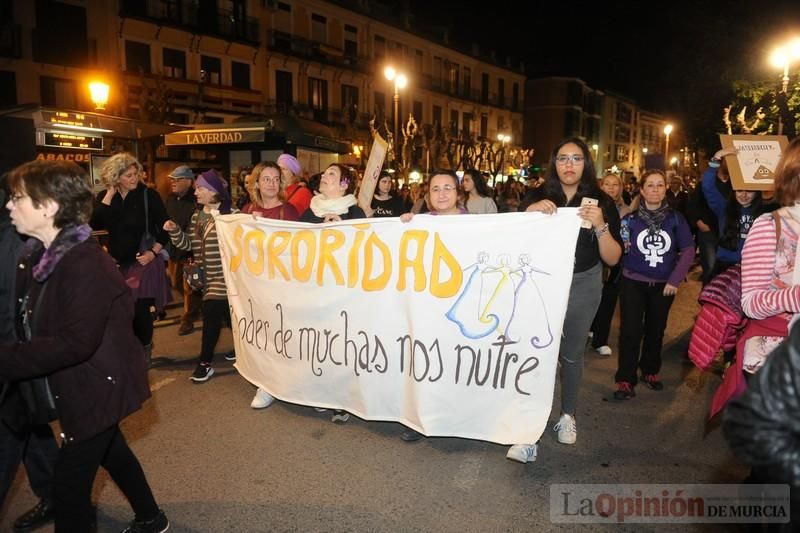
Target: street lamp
[
  {"x": 780, "y": 58},
  {"x": 667, "y": 131},
  {"x": 503, "y": 138},
  {"x": 400, "y": 81},
  {"x": 99, "y": 94}
]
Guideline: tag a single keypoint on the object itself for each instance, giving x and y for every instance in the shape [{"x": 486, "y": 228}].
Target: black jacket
[
  {"x": 82, "y": 341},
  {"x": 180, "y": 210},
  {"x": 124, "y": 220},
  {"x": 11, "y": 409},
  {"x": 763, "y": 425}
]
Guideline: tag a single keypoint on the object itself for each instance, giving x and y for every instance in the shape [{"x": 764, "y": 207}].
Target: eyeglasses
[
  {"x": 16, "y": 198},
  {"x": 445, "y": 188},
  {"x": 269, "y": 179},
  {"x": 564, "y": 158}
]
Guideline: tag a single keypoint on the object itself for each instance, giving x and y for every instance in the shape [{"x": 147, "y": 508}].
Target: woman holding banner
[{"x": 571, "y": 179}]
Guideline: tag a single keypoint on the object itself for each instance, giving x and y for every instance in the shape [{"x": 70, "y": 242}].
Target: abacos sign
[{"x": 449, "y": 324}]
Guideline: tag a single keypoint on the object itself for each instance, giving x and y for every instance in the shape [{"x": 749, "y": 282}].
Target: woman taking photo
[
  {"x": 268, "y": 203},
  {"x": 612, "y": 186},
  {"x": 571, "y": 178},
  {"x": 130, "y": 211},
  {"x": 384, "y": 203},
  {"x": 478, "y": 201},
  {"x": 77, "y": 333},
  {"x": 659, "y": 251},
  {"x": 201, "y": 238}
]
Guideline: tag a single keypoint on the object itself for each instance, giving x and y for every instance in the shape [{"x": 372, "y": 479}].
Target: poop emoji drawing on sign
[{"x": 763, "y": 173}]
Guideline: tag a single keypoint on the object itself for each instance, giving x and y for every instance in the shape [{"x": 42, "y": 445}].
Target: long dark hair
[
  {"x": 731, "y": 231},
  {"x": 586, "y": 187},
  {"x": 480, "y": 183}
]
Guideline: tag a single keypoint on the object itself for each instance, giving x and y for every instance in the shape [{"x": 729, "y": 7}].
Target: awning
[
  {"x": 276, "y": 128},
  {"x": 218, "y": 135}
]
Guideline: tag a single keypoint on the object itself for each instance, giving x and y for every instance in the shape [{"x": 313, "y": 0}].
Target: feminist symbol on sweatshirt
[{"x": 654, "y": 246}]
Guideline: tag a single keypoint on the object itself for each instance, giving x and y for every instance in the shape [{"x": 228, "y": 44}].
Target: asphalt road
[{"x": 216, "y": 465}]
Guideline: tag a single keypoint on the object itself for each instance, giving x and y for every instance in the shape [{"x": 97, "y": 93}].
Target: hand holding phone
[{"x": 584, "y": 202}]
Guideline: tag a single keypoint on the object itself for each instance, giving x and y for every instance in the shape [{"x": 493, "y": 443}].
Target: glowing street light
[
  {"x": 400, "y": 81},
  {"x": 780, "y": 58},
  {"x": 99, "y": 94},
  {"x": 667, "y": 131}
]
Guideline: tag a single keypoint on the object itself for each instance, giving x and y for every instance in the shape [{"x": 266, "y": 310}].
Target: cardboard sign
[
  {"x": 372, "y": 172},
  {"x": 753, "y": 166}
]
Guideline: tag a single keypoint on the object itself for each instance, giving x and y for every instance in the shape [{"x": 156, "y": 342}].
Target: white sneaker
[
  {"x": 522, "y": 453},
  {"x": 262, "y": 399},
  {"x": 604, "y": 350},
  {"x": 567, "y": 432}
]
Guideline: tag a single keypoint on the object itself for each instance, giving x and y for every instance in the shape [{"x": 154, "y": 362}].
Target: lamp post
[
  {"x": 503, "y": 138},
  {"x": 99, "y": 94},
  {"x": 667, "y": 131},
  {"x": 400, "y": 81},
  {"x": 781, "y": 57}
]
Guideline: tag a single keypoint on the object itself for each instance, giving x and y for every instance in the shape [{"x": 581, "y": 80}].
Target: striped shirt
[
  {"x": 203, "y": 230},
  {"x": 767, "y": 270}
]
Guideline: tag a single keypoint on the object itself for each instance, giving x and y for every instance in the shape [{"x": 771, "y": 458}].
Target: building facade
[{"x": 311, "y": 65}]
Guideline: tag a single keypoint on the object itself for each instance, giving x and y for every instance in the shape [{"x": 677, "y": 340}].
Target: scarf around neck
[
  {"x": 655, "y": 218},
  {"x": 67, "y": 238},
  {"x": 322, "y": 206}
]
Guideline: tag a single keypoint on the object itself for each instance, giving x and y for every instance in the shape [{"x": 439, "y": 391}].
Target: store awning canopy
[{"x": 289, "y": 129}]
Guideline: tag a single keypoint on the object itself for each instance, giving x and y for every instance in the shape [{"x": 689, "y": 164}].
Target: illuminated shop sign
[{"x": 60, "y": 139}]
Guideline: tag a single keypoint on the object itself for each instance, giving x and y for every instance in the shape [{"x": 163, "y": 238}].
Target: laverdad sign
[{"x": 752, "y": 168}]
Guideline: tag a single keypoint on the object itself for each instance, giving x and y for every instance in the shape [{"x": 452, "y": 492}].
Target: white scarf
[{"x": 322, "y": 206}]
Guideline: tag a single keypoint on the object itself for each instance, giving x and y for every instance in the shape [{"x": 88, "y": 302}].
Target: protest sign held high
[{"x": 450, "y": 325}]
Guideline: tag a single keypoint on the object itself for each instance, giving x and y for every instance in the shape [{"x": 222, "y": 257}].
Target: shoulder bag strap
[{"x": 146, "y": 216}]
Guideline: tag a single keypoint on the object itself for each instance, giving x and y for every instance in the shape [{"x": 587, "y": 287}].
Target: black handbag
[{"x": 193, "y": 271}]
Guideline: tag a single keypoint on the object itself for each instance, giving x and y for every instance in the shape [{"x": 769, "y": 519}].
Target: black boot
[{"x": 40, "y": 515}]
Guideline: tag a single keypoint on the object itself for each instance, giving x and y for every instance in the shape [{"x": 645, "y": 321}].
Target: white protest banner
[
  {"x": 448, "y": 324},
  {"x": 372, "y": 171}
]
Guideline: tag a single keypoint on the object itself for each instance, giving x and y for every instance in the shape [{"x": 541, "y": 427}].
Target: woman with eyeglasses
[
  {"x": 571, "y": 178},
  {"x": 268, "y": 195},
  {"x": 478, "y": 199}
]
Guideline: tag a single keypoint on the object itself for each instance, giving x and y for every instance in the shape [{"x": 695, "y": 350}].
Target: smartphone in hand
[{"x": 588, "y": 201}]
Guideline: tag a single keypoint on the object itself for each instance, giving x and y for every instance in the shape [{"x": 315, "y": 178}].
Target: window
[
  {"x": 350, "y": 102},
  {"x": 282, "y": 6},
  {"x": 174, "y": 63},
  {"x": 467, "y": 82},
  {"x": 380, "y": 105},
  {"x": 621, "y": 153},
  {"x": 350, "y": 41},
  {"x": 454, "y": 123},
  {"x": 467, "y": 123},
  {"x": 379, "y": 48},
  {"x": 437, "y": 72},
  {"x": 283, "y": 90},
  {"x": 484, "y": 125},
  {"x": 501, "y": 92},
  {"x": 501, "y": 122},
  {"x": 437, "y": 114},
  {"x": 240, "y": 75},
  {"x": 211, "y": 70},
  {"x": 418, "y": 60},
  {"x": 282, "y": 19},
  {"x": 417, "y": 112},
  {"x": 575, "y": 94},
  {"x": 49, "y": 44},
  {"x": 319, "y": 28},
  {"x": 8, "y": 88},
  {"x": 318, "y": 98},
  {"x": 515, "y": 96},
  {"x": 137, "y": 57},
  {"x": 57, "y": 92},
  {"x": 624, "y": 113},
  {"x": 484, "y": 88},
  {"x": 622, "y": 134},
  {"x": 453, "y": 74}
]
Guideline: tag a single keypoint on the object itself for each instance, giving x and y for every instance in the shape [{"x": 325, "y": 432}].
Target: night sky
[{"x": 680, "y": 61}]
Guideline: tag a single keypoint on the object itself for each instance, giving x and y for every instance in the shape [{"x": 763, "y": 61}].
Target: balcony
[
  {"x": 11, "y": 41},
  {"x": 221, "y": 23},
  {"x": 291, "y": 45}
]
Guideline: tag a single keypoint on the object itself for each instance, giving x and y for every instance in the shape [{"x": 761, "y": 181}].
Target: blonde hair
[
  {"x": 255, "y": 192},
  {"x": 116, "y": 165}
]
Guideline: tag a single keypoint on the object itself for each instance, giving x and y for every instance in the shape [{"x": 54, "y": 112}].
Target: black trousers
[
  {"x": 602, "y": 320},
  {"x": 36, "y": 447},
  {"x": 216, "y": 313},
  {"x": 143, "y": 320},
  {"x": 76, "y": 469},
  {"x": 643, "y": 317}
]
